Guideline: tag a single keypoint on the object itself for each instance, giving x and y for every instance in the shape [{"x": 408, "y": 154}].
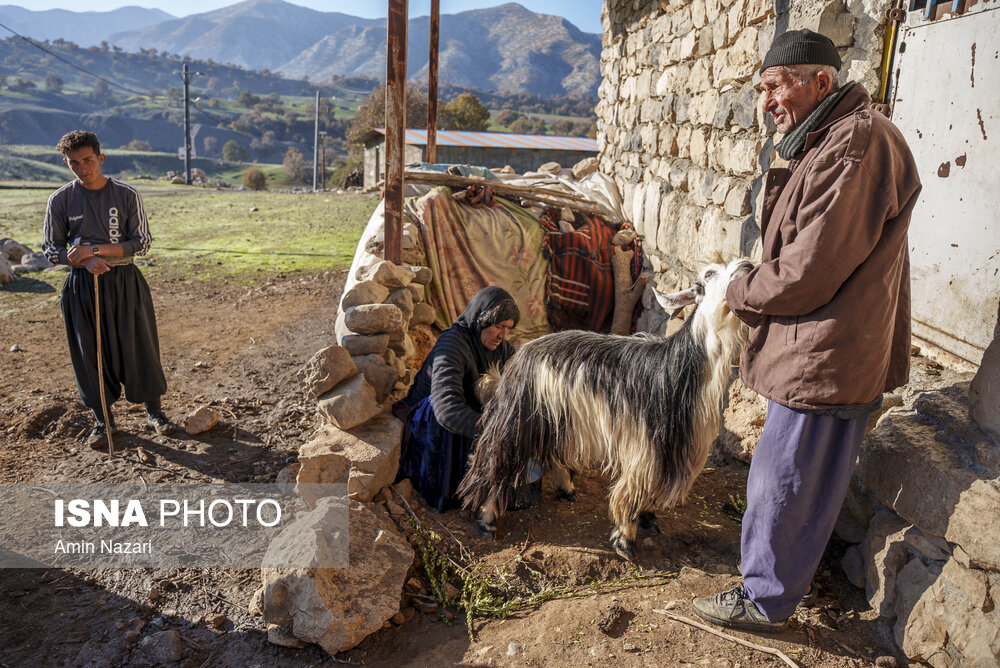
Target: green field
[{"x": 205, "y": 235}]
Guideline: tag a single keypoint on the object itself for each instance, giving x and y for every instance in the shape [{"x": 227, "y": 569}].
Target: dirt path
[{"x": 238, "y": 350}]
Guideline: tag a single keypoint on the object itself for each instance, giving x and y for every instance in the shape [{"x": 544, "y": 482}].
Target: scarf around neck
[{"x": 792, "y": 143}]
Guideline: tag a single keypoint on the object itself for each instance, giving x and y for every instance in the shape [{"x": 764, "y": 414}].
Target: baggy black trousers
[{"x": 129, "y": 342}]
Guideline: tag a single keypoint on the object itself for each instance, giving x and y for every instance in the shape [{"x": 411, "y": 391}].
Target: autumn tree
[
  {"x": 294, "y": 165},
  {"x": 234, "y": 152},
  {"x": 465, "y": 112},
  {"x": 54, "y": 83},
  {"x": 371, "y": 115},
  {"x": 254, "y": 179}
]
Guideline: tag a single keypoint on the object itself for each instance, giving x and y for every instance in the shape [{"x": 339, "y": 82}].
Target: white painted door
[{"x": 947, "y": 104}]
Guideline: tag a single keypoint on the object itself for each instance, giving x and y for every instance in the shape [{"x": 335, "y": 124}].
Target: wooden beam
[
  {"x": 432, "y": 82},
  {"x": 395, "y": 127}
]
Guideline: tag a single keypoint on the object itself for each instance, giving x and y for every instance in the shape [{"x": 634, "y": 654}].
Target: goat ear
[{"x": 676, "y": 300}]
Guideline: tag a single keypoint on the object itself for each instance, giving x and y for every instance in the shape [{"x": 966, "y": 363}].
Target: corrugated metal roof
[{"x": 499, "y": 140}]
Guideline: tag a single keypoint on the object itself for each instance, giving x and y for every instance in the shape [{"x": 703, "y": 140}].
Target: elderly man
[{"x": 829, "y": 312}]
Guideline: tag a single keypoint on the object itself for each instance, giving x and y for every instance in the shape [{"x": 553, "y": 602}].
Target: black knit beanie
[{"x": 801, "y": 47}]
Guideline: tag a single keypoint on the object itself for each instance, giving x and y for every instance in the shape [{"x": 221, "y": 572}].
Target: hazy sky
[{"x": 584, "y": 14}]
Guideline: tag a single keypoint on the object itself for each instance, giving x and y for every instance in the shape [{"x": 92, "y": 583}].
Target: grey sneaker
[
  {"x": 161, "y": 423},
  {"x": 734, "y": 610},
  {"x": 808, "y": 599}
]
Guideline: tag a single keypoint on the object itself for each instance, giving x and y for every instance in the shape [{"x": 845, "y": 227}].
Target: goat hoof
[
  {"x": 568, "y": 496},
  {"x": 623, "y": 547},
  {"x": 647, "y": 522},
  {"x": 487, "y": 530}
]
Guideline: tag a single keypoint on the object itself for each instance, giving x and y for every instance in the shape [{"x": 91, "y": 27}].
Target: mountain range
[{"x": 506, "y": 48}]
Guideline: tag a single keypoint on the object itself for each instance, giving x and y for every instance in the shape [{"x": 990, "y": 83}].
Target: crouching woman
[{"x": 441, "y": 410}]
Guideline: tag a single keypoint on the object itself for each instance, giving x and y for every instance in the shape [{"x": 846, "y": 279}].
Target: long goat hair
[{"x": 643, "y": 409}]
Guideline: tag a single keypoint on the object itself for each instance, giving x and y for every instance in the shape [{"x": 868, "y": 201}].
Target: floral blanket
[{"x": 469, "y": 249}]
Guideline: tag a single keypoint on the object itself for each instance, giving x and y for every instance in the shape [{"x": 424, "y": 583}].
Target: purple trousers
[{"x": 798, "y": 479}]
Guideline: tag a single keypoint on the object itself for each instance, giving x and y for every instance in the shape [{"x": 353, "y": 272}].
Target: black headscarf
[{"x": 467, "y": 325}]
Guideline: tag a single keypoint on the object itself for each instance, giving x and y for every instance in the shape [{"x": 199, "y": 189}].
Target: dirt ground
[{"x": 238, "y": 350}]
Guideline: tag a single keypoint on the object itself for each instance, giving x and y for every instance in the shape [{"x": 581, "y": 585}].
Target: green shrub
[{"x": 254, "y": 179}]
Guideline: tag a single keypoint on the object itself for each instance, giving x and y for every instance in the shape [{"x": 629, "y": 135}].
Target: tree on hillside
[
  {"x": 371, "y": 114},
  {"x": 54, "y": 83},
  {"x": 233, "y": 152},
  {"x": 247, "y": 99},
  {"x": 3, "y": 81},
  {"x": 506, "y": 116},
  {"x": 208, "y": 145},
  {"x": 465, "y": 112},
  {"x": 175, "y": 95},
  {"x": 294, "y": 165},
  {"x": 101, "y": 91},
  {"x": 137, "y": 145}
]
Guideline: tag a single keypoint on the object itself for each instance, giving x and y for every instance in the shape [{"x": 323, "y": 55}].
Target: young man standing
[
  {"x": 96, "y": 225},
  {"x": 829, "y": 314}
]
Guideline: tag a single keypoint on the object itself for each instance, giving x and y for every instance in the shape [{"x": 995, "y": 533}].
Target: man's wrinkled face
[
  {"x": 789, "y": 101},
  {"x": 86, "y": 165}
]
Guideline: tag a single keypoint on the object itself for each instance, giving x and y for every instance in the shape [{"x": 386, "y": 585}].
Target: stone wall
[{"x": 679, "y": 122}]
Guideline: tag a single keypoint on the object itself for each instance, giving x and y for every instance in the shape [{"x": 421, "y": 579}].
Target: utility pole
[
  {"x": 322, "y": 160},
  {"x": 186, "y": 77},
  {"x": 316, "y": 144}
]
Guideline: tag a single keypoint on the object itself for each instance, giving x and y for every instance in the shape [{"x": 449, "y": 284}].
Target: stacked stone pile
[{"x": 358, "y": 444}]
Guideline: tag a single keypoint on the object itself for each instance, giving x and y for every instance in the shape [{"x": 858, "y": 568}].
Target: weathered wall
[{"x": 679, "y": 123}]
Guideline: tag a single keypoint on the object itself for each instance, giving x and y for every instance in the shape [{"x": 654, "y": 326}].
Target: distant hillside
[
  {"x": 83, "y": 28},
  {"x": 255, "y": 34},
  {"x": 506, "y": 48}
]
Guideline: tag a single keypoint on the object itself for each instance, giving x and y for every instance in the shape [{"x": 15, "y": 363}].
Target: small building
[{"x": 524, "y": 153}]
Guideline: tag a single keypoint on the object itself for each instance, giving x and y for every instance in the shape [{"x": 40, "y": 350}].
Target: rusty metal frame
[
  {"x": 432, "y": 81},
  {"x": 395, "y": 126}
]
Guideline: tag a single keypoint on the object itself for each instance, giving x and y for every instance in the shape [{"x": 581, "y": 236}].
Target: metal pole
[
  {"x": 187, "y": 130},
  {"x": 432, "y": 82},
  {"x": 316, "y": 144},
  {"x": 395, "y": 127}
]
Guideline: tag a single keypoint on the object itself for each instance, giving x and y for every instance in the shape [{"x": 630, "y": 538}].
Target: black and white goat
[{"x": 643, "y": 409}]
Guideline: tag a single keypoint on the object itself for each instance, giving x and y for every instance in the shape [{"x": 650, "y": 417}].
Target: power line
[{"x": 70, "y": 63}]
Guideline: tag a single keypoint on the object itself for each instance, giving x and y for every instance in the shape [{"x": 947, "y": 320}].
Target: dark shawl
[{"x": 456, "y": 362}]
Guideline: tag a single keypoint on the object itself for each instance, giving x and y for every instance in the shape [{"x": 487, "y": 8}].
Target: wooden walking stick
[{"x": 100, "y": 363}]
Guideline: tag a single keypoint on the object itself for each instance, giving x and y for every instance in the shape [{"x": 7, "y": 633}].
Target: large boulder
[
  {"x": 350, "y": 403},
  {"x": 984, "y": 393},
  {"x": 374, "y": 318},
  {"x": 361, "y": 344},
  {"x": 379, "y": 373},
  {"x": 927, "y": 493},
  {"x": 368, "y": 454},
  {"x": 326, "y": 369},
  {"x": 7, "y": 274},
  {"x": 33, "y": 262},
  {"x": 423, "y": 314},
  {"x": 337, "y": 608},
  {"x": 386, "y": 273},
  {"x": 365, "y": 292},
  {"x": 931, "y": 466}
]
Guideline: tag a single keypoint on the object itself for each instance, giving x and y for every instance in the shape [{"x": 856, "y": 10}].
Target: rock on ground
[
  {"x": 370, "y": 452},
  {"x": 325, "y": 369},
  {"x": 202, "y": 420},
  {"x": 337, "y": 608},
  {"x": 350, "y": 403}
]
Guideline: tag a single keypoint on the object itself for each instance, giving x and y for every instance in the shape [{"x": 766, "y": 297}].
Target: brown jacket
[{"x": 829, "y": 304}]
